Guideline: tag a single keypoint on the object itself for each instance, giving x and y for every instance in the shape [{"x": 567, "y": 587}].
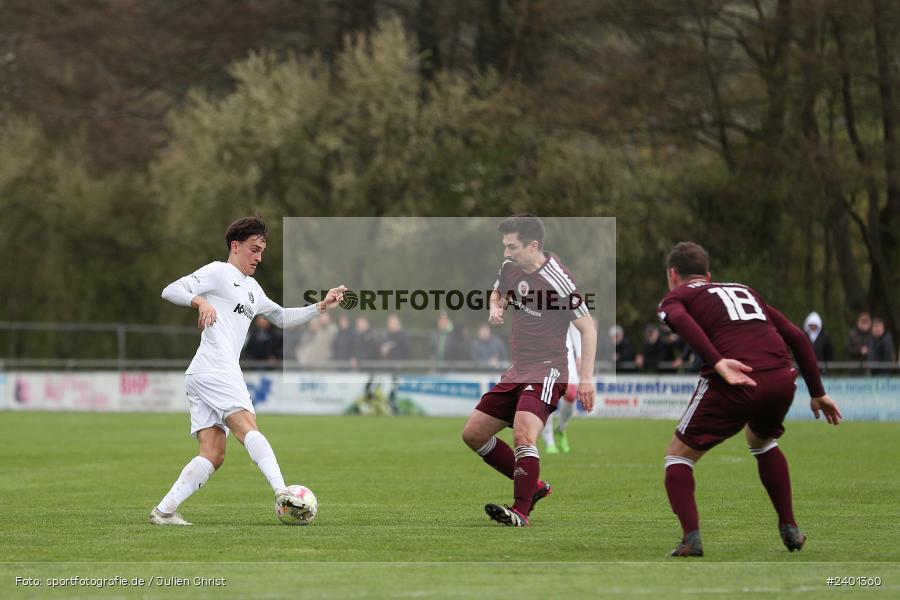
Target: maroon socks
[
  {"x": 775, "y": 477},
  {"x": 522, "y": 466},
  {"x": 499, "y": 455},
  {"x": 525, "y": 478},
  {"x": 773, "y": 473},
  {"x": 680, "y": 488}
]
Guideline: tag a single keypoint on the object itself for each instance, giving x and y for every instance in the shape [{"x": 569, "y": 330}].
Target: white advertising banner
[
  {"x": 665, "y": 397},
  {"x": 374, "y": 394},
  {"x": 452, "y": 395},
  {"x": 295, "y": 393},
  {"x": 271, "y": 391},
  {"x": 859, "y": 398},
  {"x": 104, "y": 391},
  {"x": 643, "y": 396}
]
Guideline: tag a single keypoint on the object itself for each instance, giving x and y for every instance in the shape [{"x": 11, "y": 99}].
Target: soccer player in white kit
[
  {"x": 227, "y": 298},
  {"x": 567, "y": 402}
]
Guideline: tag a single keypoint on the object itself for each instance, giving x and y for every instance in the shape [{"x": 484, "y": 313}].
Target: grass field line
[{"x": 439, "y": 562}]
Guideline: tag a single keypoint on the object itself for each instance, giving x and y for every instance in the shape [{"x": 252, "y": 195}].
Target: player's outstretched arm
[
  {"x": 826, "y": 406},
  {"x": 586, "y": 388},
  {"x": 333, "y": 298},
  {"x": 286, "y": 318}
]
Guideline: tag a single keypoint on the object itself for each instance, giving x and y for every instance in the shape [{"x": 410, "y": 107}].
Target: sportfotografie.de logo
[{"x": 395, "y": 300}]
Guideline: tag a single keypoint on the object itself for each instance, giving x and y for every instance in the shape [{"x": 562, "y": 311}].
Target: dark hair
[
  {"x": 245, "y": 228},
  {"x": 527, "y": 226},
  {"x": 688, "y": 258}
]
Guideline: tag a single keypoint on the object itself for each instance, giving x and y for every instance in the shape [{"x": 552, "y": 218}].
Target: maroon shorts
[
  {"x": 504, "y": 399},
  {"x": 718, "y": 410}
]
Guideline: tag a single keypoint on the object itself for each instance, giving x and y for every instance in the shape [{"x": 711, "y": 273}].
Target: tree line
[{"x": 132, "y": 133}]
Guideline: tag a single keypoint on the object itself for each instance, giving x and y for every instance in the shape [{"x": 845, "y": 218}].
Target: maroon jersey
[
  {"x": 731, "y": 320},
  {"x": 540, "y": 305}
]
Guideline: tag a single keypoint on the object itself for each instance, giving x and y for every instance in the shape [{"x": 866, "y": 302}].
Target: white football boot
[
  {"x": 283, "y": 497},
  {"x": 161, "y": 518}
]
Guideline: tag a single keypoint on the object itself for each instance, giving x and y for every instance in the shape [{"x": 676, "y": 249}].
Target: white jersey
[
  {"x": 237, "y": 298},
  {"x": 573, "y": 349}
]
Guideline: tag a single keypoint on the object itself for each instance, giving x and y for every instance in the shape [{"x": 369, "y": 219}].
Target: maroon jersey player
[
  {"x": 747, "y": 382},
  {"x": 539, "y": 295}
]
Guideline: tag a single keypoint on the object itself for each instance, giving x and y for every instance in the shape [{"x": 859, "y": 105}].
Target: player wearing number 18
[{"x": 747, "y": 381}]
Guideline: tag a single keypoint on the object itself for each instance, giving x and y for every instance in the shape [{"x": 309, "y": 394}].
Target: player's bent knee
[
  {"x": 524, "y": 438},
  {"x": 524, "y": 441},
  {"x": 677, "y": 448},
  {"x": 241, "y": 423},
  {"x": 472, "y": 439},
  {"x": 525, "y": 433},
  {"x": 761, "y": 447},
  {"x": 241, "y": 434},
  {"x": 216, "y": 458}
]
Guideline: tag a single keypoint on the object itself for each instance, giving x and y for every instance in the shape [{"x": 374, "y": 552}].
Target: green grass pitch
[{"x": 401, "y": 513}]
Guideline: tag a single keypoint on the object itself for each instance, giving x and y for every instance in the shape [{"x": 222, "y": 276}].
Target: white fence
[{"x": 622, "y": 396}]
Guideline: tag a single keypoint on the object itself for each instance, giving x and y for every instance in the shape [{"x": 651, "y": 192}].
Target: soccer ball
[{"x": 294, "y": 516}]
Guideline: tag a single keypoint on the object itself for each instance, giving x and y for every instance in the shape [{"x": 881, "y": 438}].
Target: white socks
[
  {"x": 197, "y": 472},
  {"x": 548, "y": 432},
  {"x": 262, "y": 454},
  {"x": 194, "y": 475},
  {"x": 566, "y": 410}
]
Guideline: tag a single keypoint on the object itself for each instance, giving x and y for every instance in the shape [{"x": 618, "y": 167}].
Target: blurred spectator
[
  {"x": 678, "y": 353},
  {"x": 344, "y": 340},
  {"x": 397, "y": 345},
  {"x": 487, "y": 348},
  {"x": 317, "y": 340},
  {"x": 881, "y": 347},
  {"x": 624, "y": 355},
  {"x": 445, "y": 343},
  {"x": 605, "y": 349},
  {"x": 656, "y": 350},
  {"x": 859, "y": 338},
  {"x": 365, "y": 347},
  {"x": 263, "y": 342},
  {"x": 818, "y": 337},
  {"x": 462, "y": 348},
  {"x": 690, "y": 361}
]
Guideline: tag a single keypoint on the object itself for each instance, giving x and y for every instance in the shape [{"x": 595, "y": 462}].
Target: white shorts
[{"x": 214, "y": 397}]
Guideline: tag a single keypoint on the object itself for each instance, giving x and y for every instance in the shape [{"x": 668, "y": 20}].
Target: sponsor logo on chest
[{"x": 246, "y": 309}]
